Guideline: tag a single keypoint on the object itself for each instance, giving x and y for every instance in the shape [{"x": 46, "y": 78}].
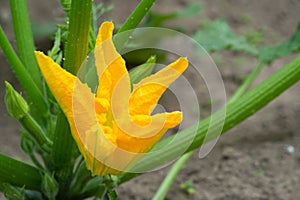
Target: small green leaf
[
  {"x": 94, "y": 187},
  {"x": 56, "y": 47},
  {"x": 188, "y": 187},
  {"x": 66, "y": 4},
  {"x": 268, "y": 54},
  {"x": 217, "y": 35}
]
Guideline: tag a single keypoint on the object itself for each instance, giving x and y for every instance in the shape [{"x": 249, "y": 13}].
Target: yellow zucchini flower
[{"x": 113, "y": 127}]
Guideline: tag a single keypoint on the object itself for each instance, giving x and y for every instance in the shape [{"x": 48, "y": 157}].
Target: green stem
[
  {"x": 236, "y": 112},
  {"x": 79, "y": 29},
  {"x": 37, "y": 102},
  {"x": 137, "y": 15},
  {"x": 172, "y": 174},
  {"x": 246, "y": 84},
  {"x": 24, "y": 39},
  {"x": 36, "y": 132},
  {"x": 63, "y": 152},
  {"x": 133, "y": 21},
  {"x": 75, "y": 53},
  {"x": 19, "y": 174},
  {"x": 178, "y": 165}
]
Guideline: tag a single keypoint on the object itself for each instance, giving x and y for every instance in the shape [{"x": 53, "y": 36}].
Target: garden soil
[{"x": 257, "y": 160}]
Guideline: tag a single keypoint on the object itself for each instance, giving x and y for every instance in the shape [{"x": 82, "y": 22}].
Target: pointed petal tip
[
  {"x": 181, "y": 64},
  {"x": 41, "y": 56},
  {"x": 38, "y": 53},
  {"x": 105, "y": 32},
  {"x": 173, "y": 119},
  {"x": 106, "y": 27},
  {"x": 107, "y": 24}
]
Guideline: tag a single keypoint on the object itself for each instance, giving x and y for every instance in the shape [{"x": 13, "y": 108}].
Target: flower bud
[{"x": 17, "y": 106}]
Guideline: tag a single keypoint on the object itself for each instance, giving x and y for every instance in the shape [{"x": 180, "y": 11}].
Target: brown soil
[{"x": 251, "y": 160}]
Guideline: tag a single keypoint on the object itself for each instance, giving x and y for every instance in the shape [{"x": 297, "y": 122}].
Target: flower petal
[
  {"x": 110, "y": 65},
  {"x": 60, "y": 82},
  {"x": 171, "y": 119},
  {"x": 77, "y": 102},
  {"x": 142, "y": 140},
  {"x": 148, "y": 91}
]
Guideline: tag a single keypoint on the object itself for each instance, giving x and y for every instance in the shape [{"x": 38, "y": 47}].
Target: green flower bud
[
  {"x": 16, "y": 105},
  {"x": 18, "y": 108}
]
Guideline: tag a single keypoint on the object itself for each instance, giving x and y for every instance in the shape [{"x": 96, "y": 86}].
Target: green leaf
[
  {"x": 53, "y": 53},
  {"x": 217, "y": 35},
  {"x": 268, "y": 54},
  {"x": 94, "y": 187},
  {"x": 19, "y": 174}
]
